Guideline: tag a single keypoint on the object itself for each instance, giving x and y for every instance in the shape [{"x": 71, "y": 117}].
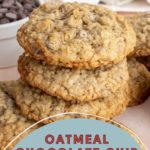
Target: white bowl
[
  {"x": 9, "y": 47},
  {"x": 117, "y": 2},
  {"x": 83, "y": 1}
]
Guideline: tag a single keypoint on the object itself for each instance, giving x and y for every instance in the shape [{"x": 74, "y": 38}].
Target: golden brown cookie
[
  {"x": 77, "y": 35},
  {"x": 37, "y": 105},
  {"x": 139, "y": 82},
  {"x": 73, "y": 84},
  {"x": 141, "y": 26},
  {"x": 12, "y": 123}
]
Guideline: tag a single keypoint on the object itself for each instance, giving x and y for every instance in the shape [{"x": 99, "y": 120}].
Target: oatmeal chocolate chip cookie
[
  {"x": 73, "y": 84},
  {"x": 139, "y": 82},
  {"x": 145, "y": 61},
  {"x": 77, "y": 35},
  {"x": 37, "y": 105},
  {"x": 12, "y": 123},
  {"x": 141, "y": 25}
]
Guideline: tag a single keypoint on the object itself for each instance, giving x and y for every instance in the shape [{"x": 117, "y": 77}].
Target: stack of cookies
[
  {"x": 74, "y": 61},
  {"x": 76, "y": 55}
]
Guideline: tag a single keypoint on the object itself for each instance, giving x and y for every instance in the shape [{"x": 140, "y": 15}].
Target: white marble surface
[{"x": 136, "y": 118}]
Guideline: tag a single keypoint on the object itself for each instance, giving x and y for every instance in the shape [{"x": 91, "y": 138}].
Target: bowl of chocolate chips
[{"x": 13, "y": 13}]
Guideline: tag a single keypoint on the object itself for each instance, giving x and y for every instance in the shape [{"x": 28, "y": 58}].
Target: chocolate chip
[
  {"x": 3, "y": 10},
  {"x": 7, "y": 3},
  {"x": 21, "y": 1},
  {"x": 19, "y": 4},
  {"x": 101, "y": 2},
  {"x": 1, "y": 15},
  {"x": 28, "y": 1},
  {"x": 14, "y": 7},
  {"x": 26, "y": 12},
  {"x": 4, "y": 20},
  {"x": 28, "y": 6},
  {"x": 13, "y": 11},
  {"x": 11, "y": 15},
  {"x": 21, "y": 14}
]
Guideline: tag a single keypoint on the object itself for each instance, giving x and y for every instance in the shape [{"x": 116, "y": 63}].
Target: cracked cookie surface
[
  {"x": 139, "y": 82},
  {"x": 77, "y": 35},
  {"x": 73, "y": 84},
  {"x": 141, "y": 26},
  {"x": 37, "y": 105},
  {"x": 12, "y": 123}
]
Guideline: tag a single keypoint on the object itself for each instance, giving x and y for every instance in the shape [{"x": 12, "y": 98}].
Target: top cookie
[
  {"x": 141, "y": 25},
  {"x": 76, "y": 35}
]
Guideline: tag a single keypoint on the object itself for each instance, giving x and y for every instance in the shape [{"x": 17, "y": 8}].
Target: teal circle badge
[{"x": 79, "y": 134}]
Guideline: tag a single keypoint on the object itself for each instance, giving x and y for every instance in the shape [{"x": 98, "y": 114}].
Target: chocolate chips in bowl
[
  {"x": 13, "y": 13},
  {"x": 13, "y": 10}
]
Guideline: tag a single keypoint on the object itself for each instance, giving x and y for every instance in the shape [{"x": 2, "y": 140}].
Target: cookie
[
  {"x": 145, "y": 61},
  {"x": 141, "y": 26},
  {"x": 73, "y": 84},
  {"x": 37, "y": 105},
  {"x": 12, "y": 123},
  {"x": 77, "y": 35},
  {"x": 139, "y": 82}
]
